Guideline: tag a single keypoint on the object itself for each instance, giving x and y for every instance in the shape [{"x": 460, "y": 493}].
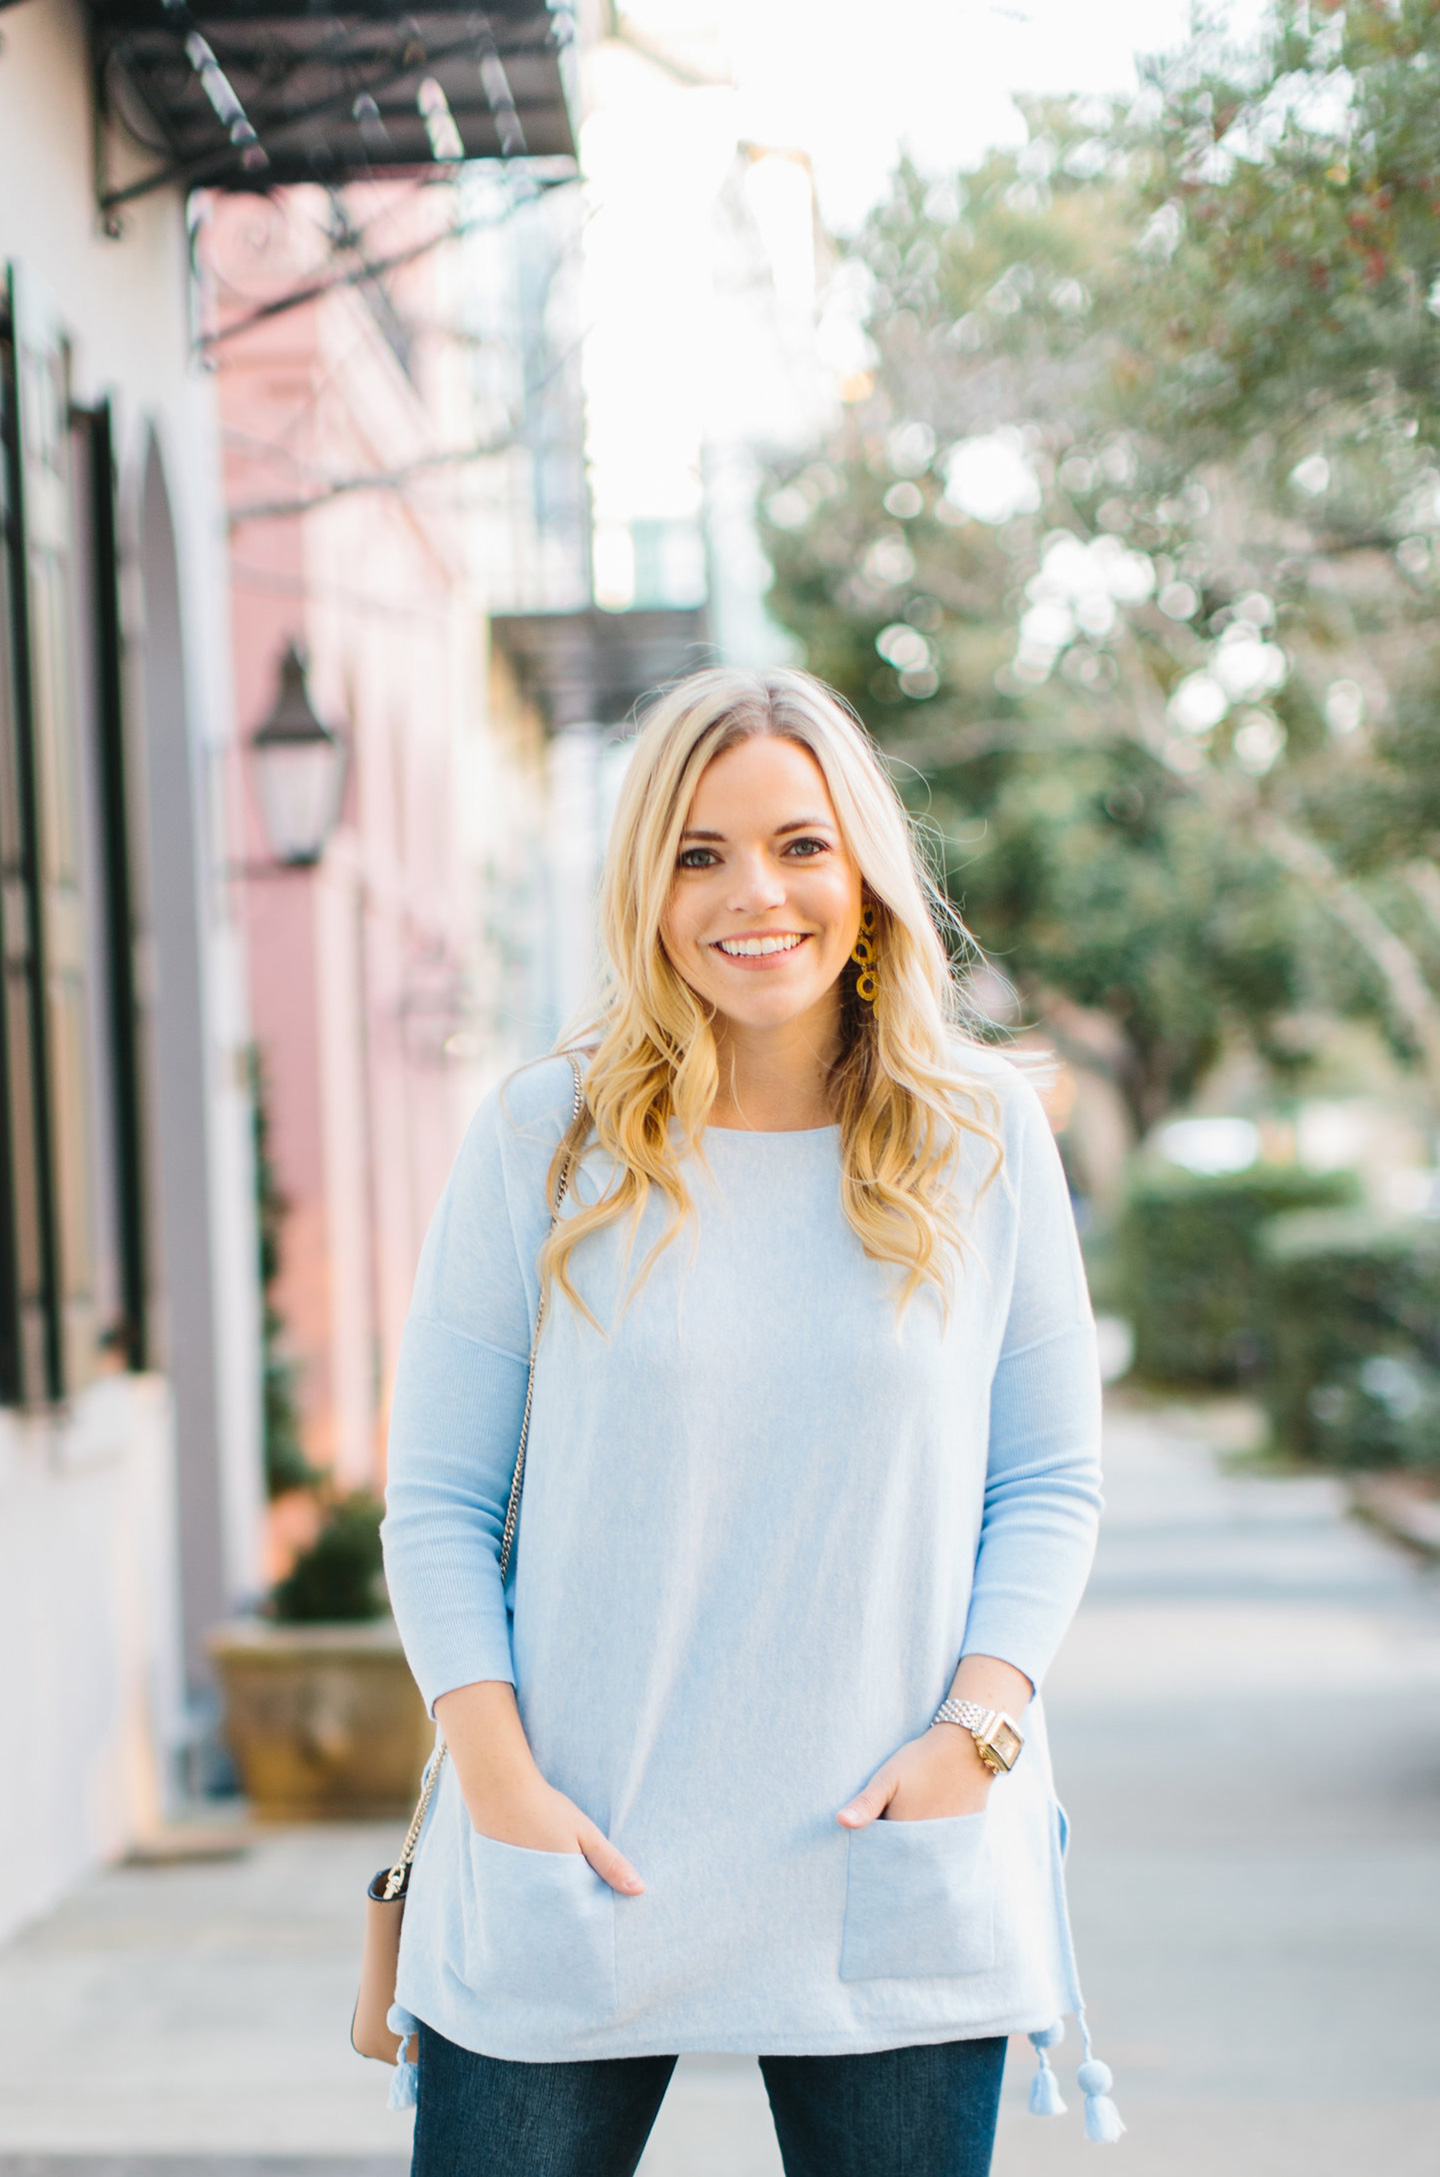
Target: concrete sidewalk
[{"x": 1246, "y": 1724}]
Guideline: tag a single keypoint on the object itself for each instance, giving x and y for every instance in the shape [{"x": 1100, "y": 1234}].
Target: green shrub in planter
[
  {"x": 1352, "y": 1329},
  {"x": 1186, "y": 1253},
  {"x": 339, "y": 1579}
]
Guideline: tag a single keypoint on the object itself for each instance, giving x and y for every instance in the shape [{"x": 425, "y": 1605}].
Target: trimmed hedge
[
  {"x": 1187, "y": 1255},
  {"x": 1351, "y": 1310},
  {"x": 340, "y": 1579}
]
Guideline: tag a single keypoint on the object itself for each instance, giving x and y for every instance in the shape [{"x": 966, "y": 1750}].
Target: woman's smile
[{"x": 760, "y": 948}]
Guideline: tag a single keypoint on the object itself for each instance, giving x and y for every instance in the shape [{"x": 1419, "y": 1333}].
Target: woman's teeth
[{"x": 747, "y": 947}]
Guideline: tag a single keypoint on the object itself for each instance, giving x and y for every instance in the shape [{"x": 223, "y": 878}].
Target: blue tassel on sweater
[
  {"x": 1045, "y": 2097},
  {"x": 407, "y": 2078},
  {"x": 1102, "y": 2119}
]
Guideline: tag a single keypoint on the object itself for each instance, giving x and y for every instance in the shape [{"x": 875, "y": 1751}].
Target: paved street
[{"x": 1246, "y": 1725}]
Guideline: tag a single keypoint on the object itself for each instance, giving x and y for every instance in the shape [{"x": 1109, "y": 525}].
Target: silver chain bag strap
[{"x": 370, "y": 2033}]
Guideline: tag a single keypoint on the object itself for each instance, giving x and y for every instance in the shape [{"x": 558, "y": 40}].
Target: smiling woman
[
  {"x": 757, "y": 809},
  {"x": 808, "y": 1503},
  {"x": 764, "y": 913}
]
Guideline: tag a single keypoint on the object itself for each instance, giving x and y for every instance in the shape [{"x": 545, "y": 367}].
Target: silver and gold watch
[{"x": 998, "y": 1738}]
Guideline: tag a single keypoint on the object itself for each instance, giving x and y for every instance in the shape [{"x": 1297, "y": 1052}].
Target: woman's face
[{"x": 766, "y": 901}]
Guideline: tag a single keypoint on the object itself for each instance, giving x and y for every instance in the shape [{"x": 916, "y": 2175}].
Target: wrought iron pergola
[{"x": 253, "y": 94}]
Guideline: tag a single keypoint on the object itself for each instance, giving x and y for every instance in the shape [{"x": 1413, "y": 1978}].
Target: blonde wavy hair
[{"x": 899, "y": 1087}]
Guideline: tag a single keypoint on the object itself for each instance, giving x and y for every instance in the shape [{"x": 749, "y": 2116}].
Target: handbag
[{"x": 370, "y": 2032}]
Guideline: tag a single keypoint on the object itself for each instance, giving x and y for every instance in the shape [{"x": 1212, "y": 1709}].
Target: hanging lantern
[{"x": 299, "y": 771}]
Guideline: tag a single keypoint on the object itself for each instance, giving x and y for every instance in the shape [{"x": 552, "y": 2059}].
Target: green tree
[
  {"x": 1127, "y": 551},
  {"x": 1292, "y": 348},
  {"x": 917, "y": 559}
]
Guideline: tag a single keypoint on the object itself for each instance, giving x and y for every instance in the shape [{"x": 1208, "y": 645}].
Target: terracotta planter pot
[{"x": 324, "y": 1721}]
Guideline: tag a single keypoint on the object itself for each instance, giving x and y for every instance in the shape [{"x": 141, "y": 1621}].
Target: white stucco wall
[
  {"x": 88, "y": 1546},
  {"x": 90, "y": 1695}
]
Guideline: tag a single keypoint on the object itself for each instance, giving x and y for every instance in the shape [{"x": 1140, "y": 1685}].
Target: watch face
[{"x": 1004, "y": 1741}]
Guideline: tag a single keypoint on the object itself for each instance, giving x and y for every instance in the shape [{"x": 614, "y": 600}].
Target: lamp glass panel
[{"x": 299, "y": 787}]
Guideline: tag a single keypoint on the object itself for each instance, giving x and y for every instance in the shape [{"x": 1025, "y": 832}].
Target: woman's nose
[{"x": 757, "y": 885}]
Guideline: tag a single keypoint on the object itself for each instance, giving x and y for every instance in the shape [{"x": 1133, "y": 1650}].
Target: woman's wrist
[
  {"x": 991, "y": 1683},
  {"x": 487, "y": 1742},
  {"x": 986, "y": 1695},
  {"x": 954, "y": 1748}
]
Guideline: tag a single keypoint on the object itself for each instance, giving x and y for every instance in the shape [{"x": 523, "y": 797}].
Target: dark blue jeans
[{"x": 906, "y": 2112}]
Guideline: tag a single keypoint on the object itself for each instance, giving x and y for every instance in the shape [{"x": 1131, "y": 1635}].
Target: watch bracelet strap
[
  {"x": 968, "y": 1714},
  {"x": 399, "y": 1874}
]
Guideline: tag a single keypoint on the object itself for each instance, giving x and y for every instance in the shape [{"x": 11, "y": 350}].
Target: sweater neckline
[{"x": 783, "y": 1133}]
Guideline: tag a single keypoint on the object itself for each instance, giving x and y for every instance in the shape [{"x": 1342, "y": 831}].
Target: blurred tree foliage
[{"x": 1126, "y": 545}]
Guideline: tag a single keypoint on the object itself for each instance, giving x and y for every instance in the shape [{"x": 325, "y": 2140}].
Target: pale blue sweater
[{"x": 763, "y": 1518}]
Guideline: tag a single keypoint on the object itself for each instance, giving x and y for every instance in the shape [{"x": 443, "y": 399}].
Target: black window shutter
[
  {"x": 118, "y": 967},
  {"x": 49, "y": 1075},
  {"x": 30, "y": 1342}
]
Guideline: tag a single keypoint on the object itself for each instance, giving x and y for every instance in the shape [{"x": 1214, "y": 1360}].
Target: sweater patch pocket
[
  {"x": 541, "y": 1929},
  {"x": 919, "y": 1900}
]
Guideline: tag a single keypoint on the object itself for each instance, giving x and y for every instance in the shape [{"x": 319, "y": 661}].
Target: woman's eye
[
  {"x": 696, "y": 858},
  {"x": 808, "y": 848}
]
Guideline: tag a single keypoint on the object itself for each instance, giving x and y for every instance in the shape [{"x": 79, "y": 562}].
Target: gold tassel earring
[{"x": 867, "y": 985}]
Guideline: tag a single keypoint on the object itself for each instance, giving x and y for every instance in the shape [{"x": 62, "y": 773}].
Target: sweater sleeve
[
  {"x": 1042, "y": 1485},
  {"x": 455, "y": 1420}
]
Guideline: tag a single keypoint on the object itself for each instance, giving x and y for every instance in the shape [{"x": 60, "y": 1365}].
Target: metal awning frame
[
  {"x": 365, "y": 271},
  {"x": 270, "y": 154},
  {"x": 593, "y": 668}
]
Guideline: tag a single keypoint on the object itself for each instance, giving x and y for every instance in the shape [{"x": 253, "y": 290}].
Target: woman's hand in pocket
[
  {"x": 506, "y": 1797},
  {"x": 527, "y": 1811},
  {"x": 930, "y": 1778},
  {"x": 942, "y": 1774}
]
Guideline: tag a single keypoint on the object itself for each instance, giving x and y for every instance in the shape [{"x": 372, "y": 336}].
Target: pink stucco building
[
  {"x": 398, "y": 373},
  {"x": 391, "y": 981}
]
